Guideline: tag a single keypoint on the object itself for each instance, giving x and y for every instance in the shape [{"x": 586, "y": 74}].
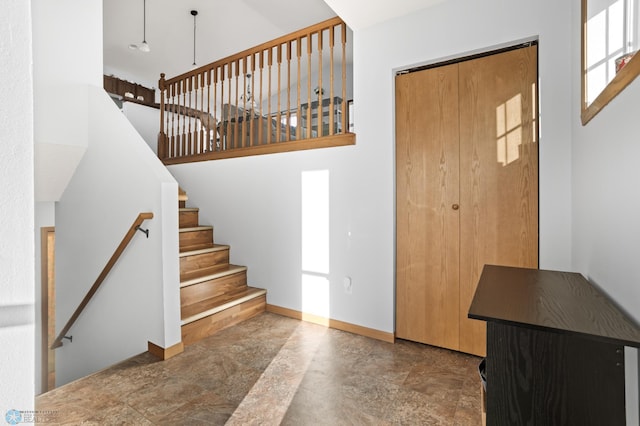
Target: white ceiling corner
[{"x": 360, "y": 14}]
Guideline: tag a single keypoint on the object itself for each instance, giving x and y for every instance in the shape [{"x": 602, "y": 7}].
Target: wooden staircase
[{"x": 213, "y": 293}]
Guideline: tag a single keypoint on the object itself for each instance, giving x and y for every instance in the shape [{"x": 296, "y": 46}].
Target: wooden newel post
[{"x": 162, "y": 137}]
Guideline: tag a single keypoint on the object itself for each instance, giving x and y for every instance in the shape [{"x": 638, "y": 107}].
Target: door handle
[{"x": 455, "y": 206}]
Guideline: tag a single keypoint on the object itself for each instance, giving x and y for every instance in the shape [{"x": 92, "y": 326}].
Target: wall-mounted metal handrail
[{"x": 114, "y": 258}]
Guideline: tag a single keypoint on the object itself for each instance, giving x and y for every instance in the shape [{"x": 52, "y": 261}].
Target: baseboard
[
  {"x": 328, "y": 322},
  {"x": 163, "y": 353}
]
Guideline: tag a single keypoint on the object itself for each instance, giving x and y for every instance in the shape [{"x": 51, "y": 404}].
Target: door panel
[
  {"x": 499, "y": 179},
  {"x": 427, "y": 186}
]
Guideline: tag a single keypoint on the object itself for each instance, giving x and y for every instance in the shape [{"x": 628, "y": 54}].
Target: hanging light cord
[
  {"x": 144, "y": 21},
  {"x": 194, "y": 13}
]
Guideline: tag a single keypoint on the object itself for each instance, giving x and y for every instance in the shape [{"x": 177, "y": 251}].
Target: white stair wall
[{"x": 118, "y": 178}]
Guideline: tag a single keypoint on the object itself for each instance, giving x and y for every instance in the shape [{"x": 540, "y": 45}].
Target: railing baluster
[
  {"x": 331, "y": 83},
  {"x": 309, "y": 110},
  {"x": 168, "y": 125},
  {"x": 260, "y": 120},
  {"x": 177, "y": 118},
  {"x": 270, "y": 64},
  {"x": 162, "y": 135},
  {"x": 172, "y": 129},
  {"x": 198, "y": 119},
  {"x": 252, "y": 101},
  {"x": 243, "y": 119},
  {"x": 288, "y": 135},
  {"x": 183, "y": 104},
  {"x": 212, "y": 132},
  {"x": 223, "y": 131},
  {"x": 202, "y": 83},
  {"x": 190, "y": 135},
  {"x": 235, "y": 125},
  {"x": 278, "y": 114},
  {"x": 173, "y": 120},
  {"x": 320, "y": 89},
  {"x": 192, "y": 120},
  {"x": 344, "y": 77},
  {"x": 188, "y": 118},
  {"x": 228, "y": 109},
  {"x": 298, "y": 101}
]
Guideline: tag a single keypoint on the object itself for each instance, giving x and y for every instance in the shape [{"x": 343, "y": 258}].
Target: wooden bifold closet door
[{"x": 466, "y": 189}]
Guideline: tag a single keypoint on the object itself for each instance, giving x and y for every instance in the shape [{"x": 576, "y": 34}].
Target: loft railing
[
  {"x": 284, "y": 95},
  {"x": 94, "y": 288}
]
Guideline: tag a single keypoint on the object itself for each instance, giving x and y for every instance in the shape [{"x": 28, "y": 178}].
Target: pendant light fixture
[
  {"x": 194, "y": 13},
  {"x": 144, "y": 46}
]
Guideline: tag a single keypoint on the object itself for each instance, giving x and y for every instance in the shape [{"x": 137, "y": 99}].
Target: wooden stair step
[
  {"x": 214, "y": 305},
  {"x": 208, "y": 274},
  {"x": 194, "y": 260},
  {"x": 195, "y": 236},
  {"x": 208, "y": 288},
  {"x": 213, "y": 248},
  {"x": 182, "y": 195},
  {"x": 233, "y": 313},
  {"x": 196, "y": 228},
  {"x": 195, "y": 247},
  {"x": 188, "y": 217}
]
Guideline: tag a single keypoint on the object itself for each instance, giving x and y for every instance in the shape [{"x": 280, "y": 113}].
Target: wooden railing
[
  {"x": 284, "y": 95},
  {"x": 114, "y": 258}
]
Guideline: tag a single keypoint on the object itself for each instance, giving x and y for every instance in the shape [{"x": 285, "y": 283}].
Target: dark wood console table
[{"x": 555, "y": 348}]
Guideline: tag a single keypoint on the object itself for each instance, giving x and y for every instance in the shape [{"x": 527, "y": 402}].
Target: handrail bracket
[{"x": 144, "y": 231}]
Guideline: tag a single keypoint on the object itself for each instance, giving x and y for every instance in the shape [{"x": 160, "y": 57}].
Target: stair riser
[
  {"x": 188, "y": 219},
  {"x": 196, "y": 238},
  {"x": 182, "y": 204},
  {"x": 199, "y": 261},
  {"x": 213, "y": 288},
  {"x": 205, "y": 327}
]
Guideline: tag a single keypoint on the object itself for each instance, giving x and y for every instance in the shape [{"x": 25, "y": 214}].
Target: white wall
[
  {"x": 255, "y": 203},
  {"x": 606, "y": 202},
  {"x": 67, "y": 56},
  {"x": 606, "y": 199},
  {"x": 606, "y": 196},
  {"x": 118, "y": 178},
  {"x": 16, "y": 209},
  {"x": 146, "y": 121}
]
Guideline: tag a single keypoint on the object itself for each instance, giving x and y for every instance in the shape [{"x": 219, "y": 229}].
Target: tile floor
[{"x": 273, "y": 370}]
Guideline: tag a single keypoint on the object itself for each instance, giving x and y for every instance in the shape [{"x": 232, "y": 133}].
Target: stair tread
[
  {"x": 196, "y": 228},
  {"x": 182, "y": 195},
  {"x": 213, "y": 248},
  {"x": 207, "y": 307},
  {"x": 188, "y": 209},
  {"x": 195, "y": 247},
  {"x": 210, "y": 273}
]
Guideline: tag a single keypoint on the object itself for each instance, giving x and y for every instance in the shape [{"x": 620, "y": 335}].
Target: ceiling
[
  {"x": 359, "y": 14},
  {"x": 223, "y": 27}
]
